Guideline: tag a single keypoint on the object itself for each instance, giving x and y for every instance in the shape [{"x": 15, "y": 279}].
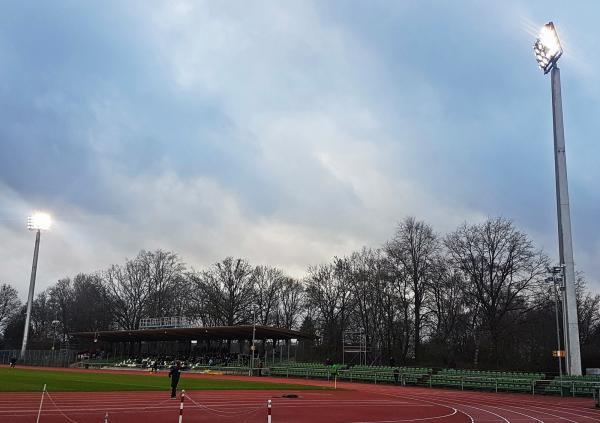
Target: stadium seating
[
  {"x": 359, "y": 373},
  {"x": 497, "y": 381},
  {"x": 486, "y": 380},
  {"x": 573, "y": 385}
]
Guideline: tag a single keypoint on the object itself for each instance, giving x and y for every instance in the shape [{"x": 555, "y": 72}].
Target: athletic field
[
  {"x": 33, "y": 380},
  {"x": 89, "y": 396}
]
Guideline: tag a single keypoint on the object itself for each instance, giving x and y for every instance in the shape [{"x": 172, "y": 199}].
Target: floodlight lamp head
[
  {"x": 39, "y": 222},
  {"x": 547, "y": 48}
]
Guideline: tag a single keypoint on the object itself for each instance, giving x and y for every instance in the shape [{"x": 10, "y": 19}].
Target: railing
[
  {"x": 530, "y": 385},
  {"x": 48, "y": 358},
  {"x": 165, "y": 322}
]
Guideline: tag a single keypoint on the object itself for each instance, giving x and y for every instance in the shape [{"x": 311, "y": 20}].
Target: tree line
[{"x": 476, "y": 297}]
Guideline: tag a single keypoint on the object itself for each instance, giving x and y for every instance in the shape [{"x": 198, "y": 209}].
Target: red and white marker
[
  {"x": 181, "y": 406},
  {"x": 269, "y": 411}
]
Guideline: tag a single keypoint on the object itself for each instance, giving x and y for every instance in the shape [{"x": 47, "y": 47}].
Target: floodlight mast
[
  {"x": 36, "y": 222},
  {"x": 548, "y": 50}
]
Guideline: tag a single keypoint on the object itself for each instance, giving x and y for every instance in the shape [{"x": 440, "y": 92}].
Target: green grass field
[{"x": 27, "y": 380}]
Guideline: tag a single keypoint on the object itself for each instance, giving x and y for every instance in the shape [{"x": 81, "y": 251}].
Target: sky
[{"x": 285, "y": 132}]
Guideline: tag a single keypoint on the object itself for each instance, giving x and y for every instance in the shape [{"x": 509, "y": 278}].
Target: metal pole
[
  {"x": 253, "y": 339},
  {"x": 565, "y": 242},
  {"x": 31, "y": 289},
  {"x": 557, "y": 328}
]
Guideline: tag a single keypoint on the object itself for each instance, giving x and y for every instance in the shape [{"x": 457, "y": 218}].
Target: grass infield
[{"x": 28, "y": 380}]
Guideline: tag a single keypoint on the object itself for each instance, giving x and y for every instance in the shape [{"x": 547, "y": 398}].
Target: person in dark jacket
[{"x": 174, "y": 374}]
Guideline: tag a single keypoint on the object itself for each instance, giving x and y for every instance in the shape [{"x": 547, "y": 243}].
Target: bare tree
[
  {"x": 500, "y": 266},
  {"x": 447, "y": 304},
  {"x": 291, "y": 302},
  {"x": 90, "y": 309},
  {"x": 328, "y": 291},
  {"x": 588, "y": 311},
  {"x": 415, "y": 246},
  {"x": 370, "y": 290},
  {"x": 267, "y": 289},
  {"x": 127, "y": 292},
  {"x": 9, "y": 304},
  {"x": 225, "y": 292},
  {"x": 164, "y": 273}
]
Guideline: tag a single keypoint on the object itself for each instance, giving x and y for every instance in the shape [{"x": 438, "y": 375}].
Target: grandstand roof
[{"x": 195, "y": 333}]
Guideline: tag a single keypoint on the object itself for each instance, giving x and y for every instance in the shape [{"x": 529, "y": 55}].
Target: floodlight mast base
[{"x": 565, "y": 242}]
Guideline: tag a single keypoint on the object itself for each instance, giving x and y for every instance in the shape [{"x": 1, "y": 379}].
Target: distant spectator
[{"x": 328, "y": 361}]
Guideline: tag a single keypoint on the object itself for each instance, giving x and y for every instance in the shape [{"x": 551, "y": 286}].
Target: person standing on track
[{"x": 174, "y": 374}]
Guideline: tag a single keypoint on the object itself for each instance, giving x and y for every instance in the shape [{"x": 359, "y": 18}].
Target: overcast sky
[{"x": 285, "y": 132}]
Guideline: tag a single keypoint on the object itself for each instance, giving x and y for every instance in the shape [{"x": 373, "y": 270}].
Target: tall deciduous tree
[
  {"x": 415, "y": 247},
  {"x": 500, "y": 265},
  {"x": 9, "y": 304},
  {"x": 328, "y": 291},
  {"x": 268, "y": 282},
  {"x": 291, "y": 302},
  {"x": 225, "y": 291},
  {"x": 127, "y": 292}
]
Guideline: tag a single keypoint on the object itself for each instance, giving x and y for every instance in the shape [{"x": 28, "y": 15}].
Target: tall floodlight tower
[
  {"x": 548, "y": 50},
  {"x": 37, "y": 222}
]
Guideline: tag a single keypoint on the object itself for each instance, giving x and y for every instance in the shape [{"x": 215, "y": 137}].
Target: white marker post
[
  {"x": 41, "y": 402},
  {"x": 269, "y": 411},
  {"x": 181, "y": 406}
]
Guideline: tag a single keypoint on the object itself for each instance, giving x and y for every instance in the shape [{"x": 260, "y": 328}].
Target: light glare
[
  {"x": 549, "y": 40},
  {"x": 39, "y": 221},
  {"x": 547, "y": 47}
]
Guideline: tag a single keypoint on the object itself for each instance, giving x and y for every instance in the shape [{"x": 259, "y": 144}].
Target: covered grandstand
[{"x": 191, "y": 341}]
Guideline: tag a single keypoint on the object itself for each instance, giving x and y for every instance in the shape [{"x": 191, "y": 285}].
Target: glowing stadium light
[
  {"x": 547, "y": 47},
  {"x": 39, "y": 222}
]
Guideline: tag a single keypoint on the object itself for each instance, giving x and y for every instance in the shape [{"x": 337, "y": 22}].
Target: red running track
[{"x": 351, "y": 403}]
